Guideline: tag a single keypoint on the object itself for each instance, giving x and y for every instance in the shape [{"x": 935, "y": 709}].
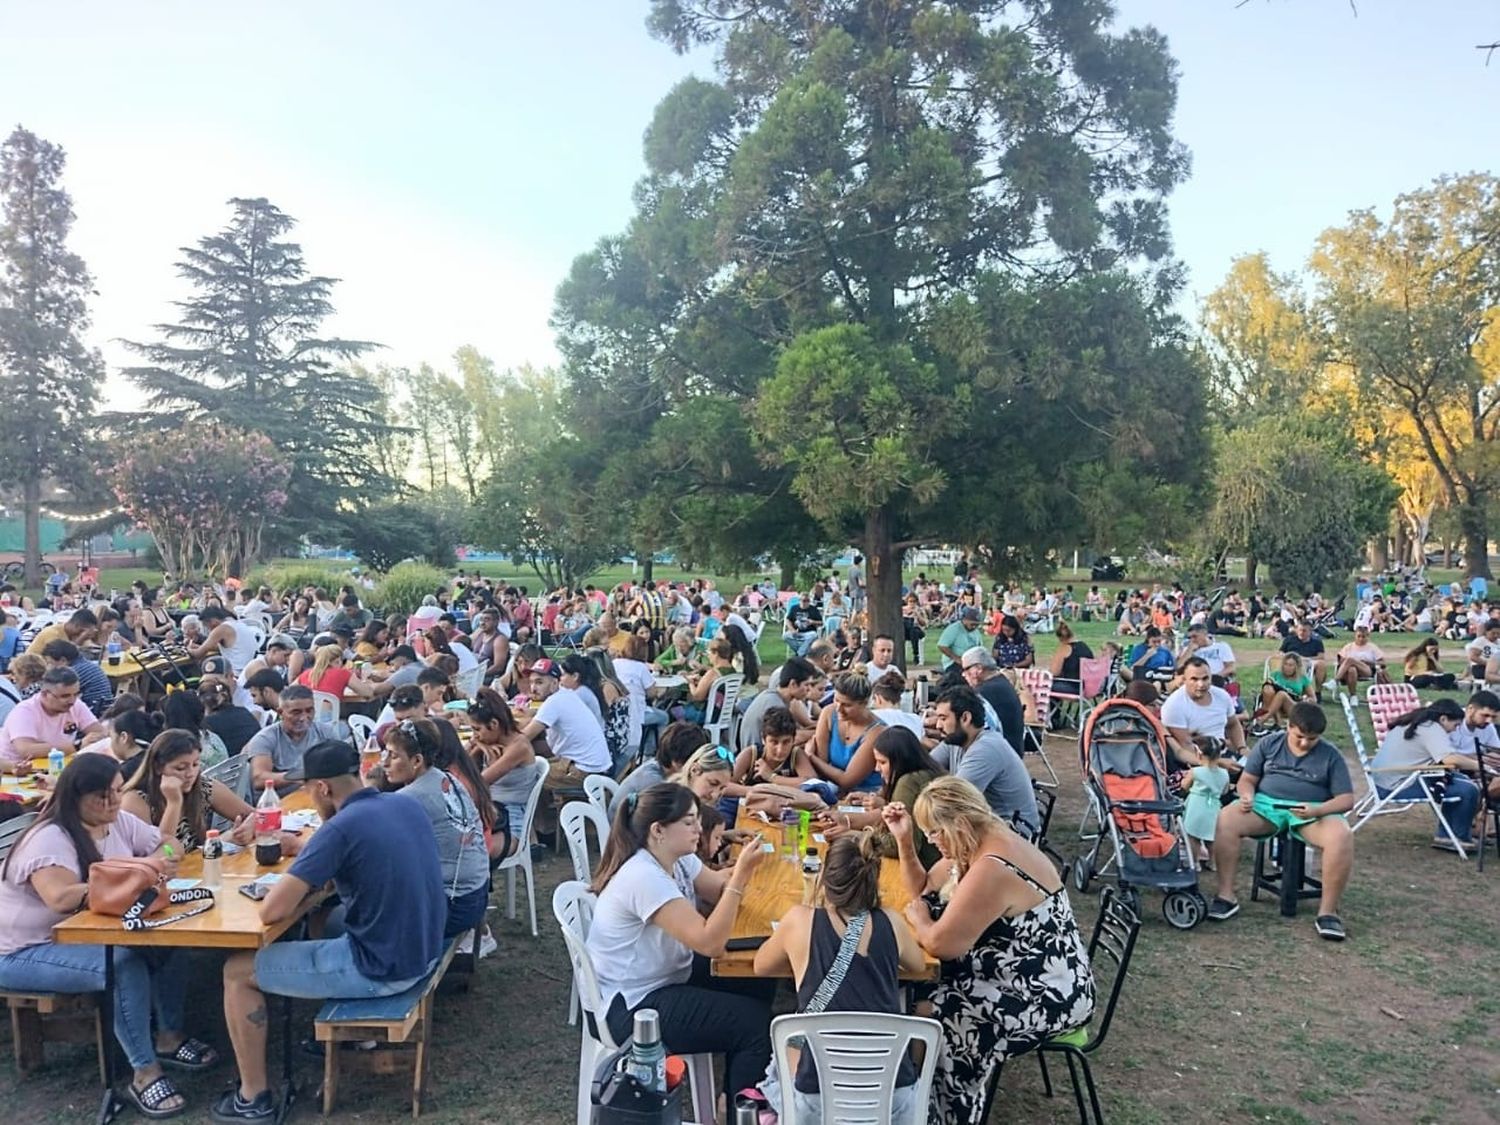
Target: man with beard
[{"x": 984, "y": 759}]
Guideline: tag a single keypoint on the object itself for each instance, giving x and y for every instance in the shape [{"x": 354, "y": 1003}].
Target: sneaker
[
  {"x": 487, "y": 944},
  {"x": 1222, "y": 909},
  {"x": 1330, "y": 927},
  {"x": 231, "y": 1108}
]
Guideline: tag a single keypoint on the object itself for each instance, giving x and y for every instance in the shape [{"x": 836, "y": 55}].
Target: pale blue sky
[{"x": 449, "y": 161}]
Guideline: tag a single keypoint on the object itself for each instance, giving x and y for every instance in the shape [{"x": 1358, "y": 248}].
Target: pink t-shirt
[
  {"x": 25, "y": 920},
  {"x": 28, "y": 720}
]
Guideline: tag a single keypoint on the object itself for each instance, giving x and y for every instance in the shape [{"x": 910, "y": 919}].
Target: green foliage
[
  {"x": 385, "y": 534},
  {"x": 49, "y": 379},
  {"x": 248, "y": 353},
  {"x": 404, "y": 587},
  {"x": 295, "y": 574},
  {"x": 1296, "y": 495}
]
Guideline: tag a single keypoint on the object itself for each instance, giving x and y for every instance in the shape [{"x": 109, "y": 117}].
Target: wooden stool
[
  {"x": 39, "y": 1018},
  {"x": 1287, "y": 878}
]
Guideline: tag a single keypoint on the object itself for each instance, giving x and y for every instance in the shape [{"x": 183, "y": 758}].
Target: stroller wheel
[
  {"x": 1183, "y": 909},
  {"x": 1083, "y": 873}
]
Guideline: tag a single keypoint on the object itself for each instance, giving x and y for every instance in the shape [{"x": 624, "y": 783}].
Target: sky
[{"x": 448, "y": 162}]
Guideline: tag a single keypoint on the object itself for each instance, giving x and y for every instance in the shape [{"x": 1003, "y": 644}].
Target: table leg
[
  {"x": 110, "y": 1105},
  {"x": 288, "y": 1087}
]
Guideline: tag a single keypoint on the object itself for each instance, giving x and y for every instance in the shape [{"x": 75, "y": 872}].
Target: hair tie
[{"x": 631, "y": 799}]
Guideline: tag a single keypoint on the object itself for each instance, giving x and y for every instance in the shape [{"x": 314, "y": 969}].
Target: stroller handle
[{"x": 1148, "y": 806}]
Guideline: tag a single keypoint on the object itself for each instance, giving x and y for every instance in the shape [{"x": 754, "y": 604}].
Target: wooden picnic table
[
  {"x": 232, "y": 923},
  {"x": 778, "y": 884}
]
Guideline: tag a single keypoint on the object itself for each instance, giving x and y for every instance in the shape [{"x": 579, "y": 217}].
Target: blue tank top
[{"x": 840, "y": 755}]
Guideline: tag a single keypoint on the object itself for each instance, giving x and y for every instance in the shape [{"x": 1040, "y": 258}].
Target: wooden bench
[
  {"x": 39, "y": 1018},
  {"x": 403, "y": 1018}
]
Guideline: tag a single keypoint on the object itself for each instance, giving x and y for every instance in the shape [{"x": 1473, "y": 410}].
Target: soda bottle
[
  {"x": 54, "y": 762},
  {"x": 268, "y": 827},
  {"x": 213, "y": 856},
  {"x": 647, "y": 1061}
]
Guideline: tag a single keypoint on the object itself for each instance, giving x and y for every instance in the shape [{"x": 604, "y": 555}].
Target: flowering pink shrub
[{"x": 204, "y": 494}]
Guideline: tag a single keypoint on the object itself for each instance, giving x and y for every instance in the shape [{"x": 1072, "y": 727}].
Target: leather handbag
[{"x": 117, "y": 886}]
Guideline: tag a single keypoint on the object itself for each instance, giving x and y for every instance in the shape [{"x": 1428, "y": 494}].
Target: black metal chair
[
  {"x": 1113, "y": 940},
  {"x": 1489, "y": 807}
]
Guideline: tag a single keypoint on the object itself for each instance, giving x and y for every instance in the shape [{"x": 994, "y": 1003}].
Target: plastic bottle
[
  {"x": 112, "y": 651},
  {"x": 54, "y": 762},
  {"x": 213, "y": 858},
  {"x": 268, "y": 827},
  {"x": 647, "y": 1061},
  {"x": 791, "y": 846}
]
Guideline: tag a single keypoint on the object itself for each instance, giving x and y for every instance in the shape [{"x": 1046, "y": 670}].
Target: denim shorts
[{"x": 320, "y": 970}]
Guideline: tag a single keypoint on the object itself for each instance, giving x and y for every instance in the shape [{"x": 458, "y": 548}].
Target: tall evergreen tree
[
  {"x": 48, "y": 377},
  {"x": 247, "y": 352}
]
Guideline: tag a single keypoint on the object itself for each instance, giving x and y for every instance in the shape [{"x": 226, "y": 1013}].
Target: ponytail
[{"x": 635, "y": 813}]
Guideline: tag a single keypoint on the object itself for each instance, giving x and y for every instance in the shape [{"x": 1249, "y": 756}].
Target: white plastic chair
[
  {"x": 232, "y": 773},
  {"x": 602, "y": 791},
  {"x": 468, "y": 683},
  {"x": 326, "y": 707},
  {"x": 858, "y": 1055},
  {"x": 361, "y": 729},
  {"x": 11, "y": 831},
  {"x": 718, "y": 713},
  {"x": 574, "y": 821},
  {"x": 522, "y": 857},
  {"x": 573, "y": 907}
]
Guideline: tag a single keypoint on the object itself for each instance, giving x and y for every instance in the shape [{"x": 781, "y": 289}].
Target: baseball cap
[
  {"x": 978, "y": 657},
  {"x": 216, "y": 666},
  {"x": 547, "y": 667},
  {"x": 281, "y": 640},
  {"x": 330, "y": 758}
]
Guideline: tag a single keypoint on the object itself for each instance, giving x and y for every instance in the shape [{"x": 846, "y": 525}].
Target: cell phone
[
  {"x": 741, "y": 944},
  {"x": 256, "y": 891}
]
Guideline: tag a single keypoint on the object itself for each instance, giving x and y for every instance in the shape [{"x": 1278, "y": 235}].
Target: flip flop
[
  {"x": 149, "y": 1100},
  {"x": 191, "y": 1054}
]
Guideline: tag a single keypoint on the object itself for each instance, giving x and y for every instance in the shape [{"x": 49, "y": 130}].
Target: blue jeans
[
  {"x": 143, "y": 981},
  {"x": 466, "y": 911},
  {"x": 320, "y": 970},
  {"x": 1459, "y": 802},
  {"x": 799, "y": 643}
]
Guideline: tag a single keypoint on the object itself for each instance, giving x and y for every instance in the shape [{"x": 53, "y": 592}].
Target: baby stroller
[{"x": 1140, "y": 839}]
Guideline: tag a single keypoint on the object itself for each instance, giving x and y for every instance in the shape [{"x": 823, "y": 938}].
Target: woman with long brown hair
[
  {"x": 506, "y": 759},
  {"x": 168, "y": 789},
  {"x": 648, "y": 926}
]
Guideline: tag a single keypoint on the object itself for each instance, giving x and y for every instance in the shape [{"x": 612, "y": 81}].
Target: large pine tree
[
  {"x": 247, "y": 352},
  {"x": 48, "y": 377}
]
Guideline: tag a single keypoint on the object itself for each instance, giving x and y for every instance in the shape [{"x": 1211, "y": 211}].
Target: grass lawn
[{"x": 1255, "y": 1019}]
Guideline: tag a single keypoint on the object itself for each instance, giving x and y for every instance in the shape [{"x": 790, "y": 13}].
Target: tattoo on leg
[{"x": 258, "y": 1017}]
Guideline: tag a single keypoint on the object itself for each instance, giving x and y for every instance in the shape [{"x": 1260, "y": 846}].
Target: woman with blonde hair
[
  {"x": 994, "y": 909},
  {"x": 329, "y": 674},
  {"x": 706, "y": 772}
]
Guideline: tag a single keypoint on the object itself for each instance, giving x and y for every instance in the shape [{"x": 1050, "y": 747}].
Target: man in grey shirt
[
  {"x": 798, "y": 680},
  {"x": 280, "y": 746},
  {"x": 984, "y": 759}
]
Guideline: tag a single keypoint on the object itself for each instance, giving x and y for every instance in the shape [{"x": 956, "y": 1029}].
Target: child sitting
[
  {"x": 807, "y": 943},
  {"x": 1205, "y": 785}
]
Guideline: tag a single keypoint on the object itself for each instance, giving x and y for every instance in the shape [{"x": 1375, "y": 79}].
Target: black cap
[{"x": 330, "y": 758}]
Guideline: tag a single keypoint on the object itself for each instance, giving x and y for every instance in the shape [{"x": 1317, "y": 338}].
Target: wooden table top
[
  {"x": 232, "y": 923},
  {"x": 778, "y": 884}
]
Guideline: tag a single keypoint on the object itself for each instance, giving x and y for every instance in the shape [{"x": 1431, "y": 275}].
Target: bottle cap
[
  {"x": 647, "y": 1028},
  {"x": 212, "y": 832},
  {"x": 676, "y": 1071}
]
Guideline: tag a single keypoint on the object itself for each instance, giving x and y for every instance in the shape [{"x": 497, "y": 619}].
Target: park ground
[{"x": 1255, "y": 1019}]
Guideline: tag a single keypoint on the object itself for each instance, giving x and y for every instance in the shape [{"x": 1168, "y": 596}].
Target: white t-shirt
[
  {"x": 876, "y": 673},
  {"x": 242, "y": 651},
  {"x": 1429, "y": 745},
  {"x": 466, "y": 657},
  {"x": 1218, "y": 654},
  {"x": 1365, "y": 653},
  {"x": 573, "y": 732},
  {"x": 637, "y": 680},
  {"x": 1200, "y": 719},
  {"x": 633, "y": 958},
  {"x": 1482, "y": 651},
  {"x": 732, "y": 618},
  {"x": 1365, "y": 617},
  {"x": 1466, "y": 740},
  {"x": 895, "y": 717}
]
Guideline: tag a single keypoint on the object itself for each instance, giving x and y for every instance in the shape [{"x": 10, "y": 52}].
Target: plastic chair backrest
[
  {"x": 574, "y": 819},
  {"x": 858, "y": 1057},
  {"x": 326, "y": 707},
  {"x": 361, "y": 729},
  {"x": 1387, "y": 702},
  {"x": 11, "y": 831},
  {"x": 721, "y": 700},
  {"x": 469, "y": 682},
  {"x": 269, "y": 718},
  {"x": 602, "y": 791},
  {"x": 573, "y": 907},
  {"x": 232, "y": 773}
]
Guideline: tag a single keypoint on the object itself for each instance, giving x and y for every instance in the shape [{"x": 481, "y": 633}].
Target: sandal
[
  {"x": 149, "y": 1101},
  {"x": 191, "y": 1054}
]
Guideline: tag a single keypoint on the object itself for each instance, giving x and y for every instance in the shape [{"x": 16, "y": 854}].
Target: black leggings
[
  {"x": 710, "y": 1014},
  {"x": 1447, "y": 681}
]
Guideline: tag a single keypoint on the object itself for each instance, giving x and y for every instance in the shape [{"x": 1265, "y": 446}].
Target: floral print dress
[{"x": 1026, "y": 980}]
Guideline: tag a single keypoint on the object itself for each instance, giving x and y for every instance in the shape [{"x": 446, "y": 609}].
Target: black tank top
[{"x": 870, "y": 985}]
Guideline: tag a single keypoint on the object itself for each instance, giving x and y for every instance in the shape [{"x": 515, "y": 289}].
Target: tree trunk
[
  {"x": 646, "y": 567},
  {"x": 1252, "y": 564},
  {"x": 883, "y": 581},
  {"x": 1402, "y": 551},
  {"x": 1380, "y": 553},
  {"x": 1447, "y": 555},
  {"x": 1475, "y": 530},
  {"x": 31, "y": 503},
  {"x": 788, "y": 574}
]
